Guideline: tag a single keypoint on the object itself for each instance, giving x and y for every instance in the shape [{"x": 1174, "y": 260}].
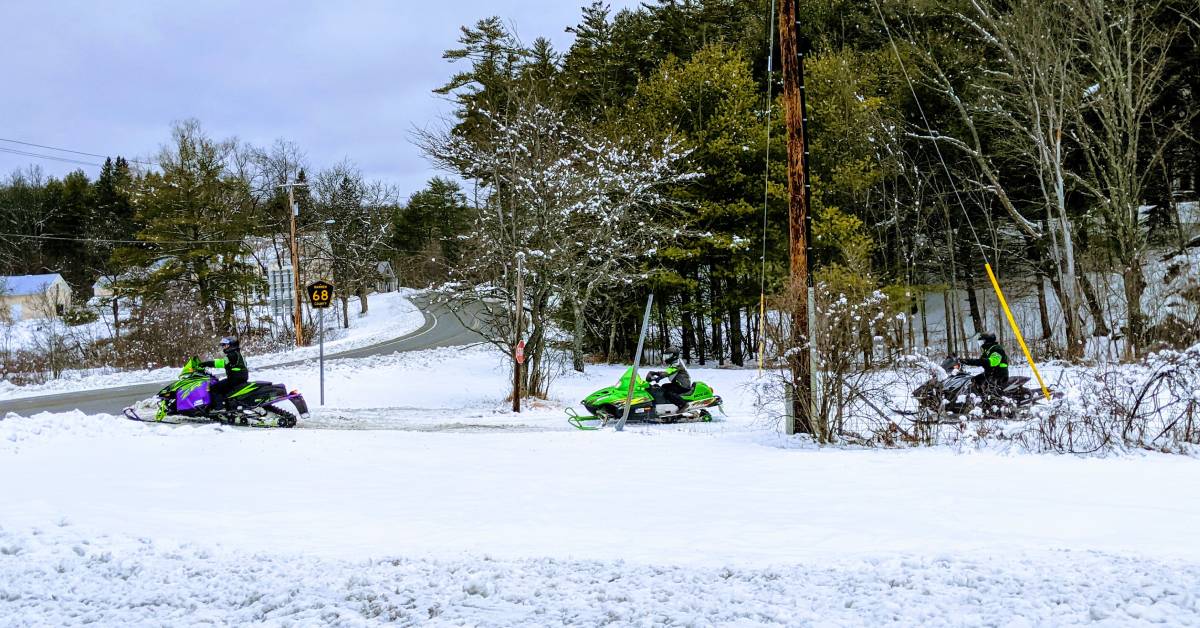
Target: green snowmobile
[{"x": 607, "y": 404}]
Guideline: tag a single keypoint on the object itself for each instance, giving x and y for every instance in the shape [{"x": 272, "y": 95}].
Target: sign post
[{"x": 320, "y": 296}]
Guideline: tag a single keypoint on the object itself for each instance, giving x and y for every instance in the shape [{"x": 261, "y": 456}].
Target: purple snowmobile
[{"x": 252, "y": 405}]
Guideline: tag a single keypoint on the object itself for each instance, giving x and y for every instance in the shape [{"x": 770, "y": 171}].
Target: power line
[
  {"x": 40, "y": 156},
  {"x": 762, "y": 295},
  {"x": 108, "y": 241},
  {"x": 111, "y": 241},
  {"x": 77, "y": 152}
]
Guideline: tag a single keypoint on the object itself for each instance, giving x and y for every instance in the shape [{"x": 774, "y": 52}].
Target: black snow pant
[
  {"x": 674, "y": 393},
  {"x": 221, "y": 390}
]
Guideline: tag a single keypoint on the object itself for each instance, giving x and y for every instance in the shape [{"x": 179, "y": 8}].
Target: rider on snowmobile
[
  {"x": 236, "y": 371},
  {"x": 994, "y": 361},
  {"x": 677, "y": 380}
]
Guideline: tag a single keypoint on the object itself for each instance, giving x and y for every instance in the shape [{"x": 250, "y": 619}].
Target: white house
[
  {"x": 386, "y": 279},
  {"x": 25, "y": 297}
]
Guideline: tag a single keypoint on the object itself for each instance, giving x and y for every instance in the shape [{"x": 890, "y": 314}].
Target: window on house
[{"x": 60, "y": 309}]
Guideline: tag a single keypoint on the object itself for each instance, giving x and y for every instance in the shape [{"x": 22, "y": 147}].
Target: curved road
[{"x": 441, "y": 329}]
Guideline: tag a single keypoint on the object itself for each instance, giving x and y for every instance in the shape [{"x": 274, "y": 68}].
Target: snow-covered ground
[
  {"x": 435, "y": 505},
  {"x": 391, "y": 315}
]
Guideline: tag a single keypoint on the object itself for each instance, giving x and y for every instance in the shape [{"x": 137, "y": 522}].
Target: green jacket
[
  {"x": 234, "y": 365},
  {"x": 994, "y": 361}
]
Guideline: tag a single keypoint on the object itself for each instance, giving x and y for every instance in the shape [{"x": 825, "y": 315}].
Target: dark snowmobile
[
  {"x": 189, "y": 399},
  {"x": 607, "y": 404},
  {"x": 957, "y": 393}
]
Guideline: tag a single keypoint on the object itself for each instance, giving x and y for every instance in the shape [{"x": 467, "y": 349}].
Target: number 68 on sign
[{"x": 320, "y": 294}]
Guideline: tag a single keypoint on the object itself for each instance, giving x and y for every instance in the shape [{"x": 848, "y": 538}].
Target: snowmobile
[
  {"x": 956, "y": 393},
  {"x": 187, "y": 399},
  {"x": 607, "y": 404}
]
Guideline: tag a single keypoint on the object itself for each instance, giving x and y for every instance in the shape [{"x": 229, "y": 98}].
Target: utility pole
[
  {"x": 518, "y": 346},
  {"x": 293, "y": 211},
  {"x": 799, "y": 358}
]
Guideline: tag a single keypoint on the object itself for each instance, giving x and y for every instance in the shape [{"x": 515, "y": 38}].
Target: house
[
  {"x": 102, "y": 289},
  {"x": 385, "y": 280},
  {"x": 24, "y": 297}
]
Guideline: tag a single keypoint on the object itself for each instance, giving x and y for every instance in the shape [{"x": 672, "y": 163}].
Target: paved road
[{"x": 441, "y": 329}]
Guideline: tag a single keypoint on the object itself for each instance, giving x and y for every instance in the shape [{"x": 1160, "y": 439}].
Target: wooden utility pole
[
  {"x": 298, "y": 322},
  {"x": 518, "y": 319},
  {"x": 799, "y": 358}
]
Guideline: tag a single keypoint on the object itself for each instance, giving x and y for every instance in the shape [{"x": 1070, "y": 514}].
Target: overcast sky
[{"x": 342, "y": 80}]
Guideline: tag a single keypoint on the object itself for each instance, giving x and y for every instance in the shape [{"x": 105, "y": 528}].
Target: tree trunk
[
  {"x": 1135, "y": 285},
  {"x": 362, "y": 301},
  {"x": 1043, "y": 308},
  {"x": 964, "y": 341},
  {"x": 701, "y": 334},
  {"x": 718, "y": 348},
  {"x": 735, "y": 337},
  {"x": 948, "y": 315},
  {"x": 1064, "y": 288},
  {"x": 577, "y": 342},
  {"x": 1099, "y": 326},
  {"x": 116, "y": 310},
  {"x": 345, "y": 311},
  {"x": 973, "y": 303},
  {"x": 612, "y": 337},
  {"x": 924, "y": 322},
  {"x": 689, "y": 331}
]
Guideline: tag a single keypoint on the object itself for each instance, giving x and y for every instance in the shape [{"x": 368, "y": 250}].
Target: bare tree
[
  {"x": 1123, "y": 52},
  {"x": 565, "y": 198},
  {"x": 1029, "y": 97},
  {"x": 356, "y": 217}
]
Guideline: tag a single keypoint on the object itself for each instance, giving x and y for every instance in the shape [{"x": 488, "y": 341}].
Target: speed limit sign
[{"x": 320, "y": 294}]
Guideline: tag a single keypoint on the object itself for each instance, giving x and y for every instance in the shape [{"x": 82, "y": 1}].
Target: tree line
[
  {"x": 1055, "y": 140},
  {"x": 187, "y": 240}
]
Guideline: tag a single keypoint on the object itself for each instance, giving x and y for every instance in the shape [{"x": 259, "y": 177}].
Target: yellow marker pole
[{"x": 1016, "y": 330}]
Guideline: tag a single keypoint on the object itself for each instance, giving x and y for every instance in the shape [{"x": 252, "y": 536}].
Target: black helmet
[
  {"x": 670, "y": 356},
  {"x": 230, "y": 343},
  {"x": 986, "y": 338}
]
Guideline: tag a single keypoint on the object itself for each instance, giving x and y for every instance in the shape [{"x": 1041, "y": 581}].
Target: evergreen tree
[{"x": 194, "y": 218}]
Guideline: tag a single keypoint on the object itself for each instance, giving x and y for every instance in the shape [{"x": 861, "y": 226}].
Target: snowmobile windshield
[
  {"x": 948, "y": 367},
  {"x": 624, "y": 383},
  {"x": 192, "y": 366}
]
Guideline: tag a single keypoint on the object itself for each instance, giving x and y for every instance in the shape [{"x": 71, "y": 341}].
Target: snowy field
[
  {"x": 391, "y": 315},
  {"x": 414, "y": 496}
]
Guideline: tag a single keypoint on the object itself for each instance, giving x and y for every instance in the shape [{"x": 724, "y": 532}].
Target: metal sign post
[
  {"x": 321, "y": 342},
  {"x": 637, "y": 360},
  {"x": 320, "y": 296}
]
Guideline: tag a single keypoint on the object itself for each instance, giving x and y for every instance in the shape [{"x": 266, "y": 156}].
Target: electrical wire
[
  {"x": 77, "y": 152},
  {"x": 762, "y": 295},
  {"x": 108, "y": 241},
  {"x": 14, "y": 151}
]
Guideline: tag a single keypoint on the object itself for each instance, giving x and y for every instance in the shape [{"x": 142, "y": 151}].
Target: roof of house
[{"x": 24, "y": 285}]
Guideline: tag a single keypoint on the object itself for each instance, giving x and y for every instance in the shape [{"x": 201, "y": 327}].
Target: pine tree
[{"x": 194, "y": 218}]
